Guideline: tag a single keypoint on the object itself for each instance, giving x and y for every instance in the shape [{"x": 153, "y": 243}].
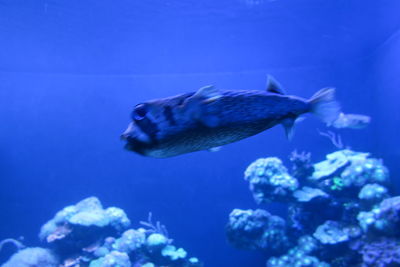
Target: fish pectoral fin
[
  {"x": 273, "y": 86},
  {"x": 195, "y": 107},
  {"x": 288, "y": 125},
  {"x": 215, "y": 149}
]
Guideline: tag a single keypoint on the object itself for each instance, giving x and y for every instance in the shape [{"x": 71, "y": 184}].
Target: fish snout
[
  {"x": 128, "y": 132},
  {"x": 124, "y": 136},
  {"x": 134, "y": 134}
]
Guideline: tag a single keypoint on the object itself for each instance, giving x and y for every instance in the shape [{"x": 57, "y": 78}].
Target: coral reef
[
  {"x": 384, "y": 218},
  {"x": 257, "y": 229},
  {"x": 88, "y": 235},
  {"x": 270, "y": 181},
  {"x": 299, "y": 255},
  {"x": 339, "y": 212},
  {"x": 33, "y": 257},
  {"x": 379, "y": 253},
  {"x": 83, "y": 225}
]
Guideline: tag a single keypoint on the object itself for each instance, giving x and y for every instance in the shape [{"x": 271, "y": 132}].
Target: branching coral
[
  {"x": 156, "y": 228},
  {"x": 18, "y": 244}
]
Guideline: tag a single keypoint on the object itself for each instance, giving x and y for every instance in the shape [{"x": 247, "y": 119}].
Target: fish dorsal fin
[
  {"x": 209, "y": 93},
  {"x": 273, "y": 86}
]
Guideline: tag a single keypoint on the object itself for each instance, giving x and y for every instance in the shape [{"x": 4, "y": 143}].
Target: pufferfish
[{"x": 210, "y": 118}]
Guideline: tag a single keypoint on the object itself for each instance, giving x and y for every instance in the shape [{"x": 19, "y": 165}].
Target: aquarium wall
[{"x": 71, "y": 71}]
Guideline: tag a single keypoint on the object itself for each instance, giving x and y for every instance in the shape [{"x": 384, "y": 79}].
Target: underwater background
[{"x": 71, "y": 72}]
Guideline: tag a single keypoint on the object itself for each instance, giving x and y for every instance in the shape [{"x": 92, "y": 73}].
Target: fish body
[
  {"x": 351, "y": 121},
  {"x": 210, "y": 118}
]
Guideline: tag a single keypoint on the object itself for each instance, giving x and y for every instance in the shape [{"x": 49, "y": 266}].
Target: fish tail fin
[{"x": 324, "y": 105}]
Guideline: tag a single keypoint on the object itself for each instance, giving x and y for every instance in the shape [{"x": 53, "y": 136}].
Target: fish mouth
[
  {"x": 134, "y": 134},
  {"x": 127, "y": 133}
]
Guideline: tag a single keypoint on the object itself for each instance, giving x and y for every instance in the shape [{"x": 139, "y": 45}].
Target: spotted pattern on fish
[{"x": 212, "y": 118}]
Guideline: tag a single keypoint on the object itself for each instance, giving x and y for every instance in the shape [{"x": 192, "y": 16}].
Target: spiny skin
[{"x": 176, "y": 125}]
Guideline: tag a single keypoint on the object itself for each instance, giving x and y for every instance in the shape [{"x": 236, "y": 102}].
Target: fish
[
  {"x": 351, "y": 121},
  {"x": 210, "y": 118}
]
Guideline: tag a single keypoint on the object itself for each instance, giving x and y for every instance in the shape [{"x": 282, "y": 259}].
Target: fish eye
[{"x": 139, "y": 112}]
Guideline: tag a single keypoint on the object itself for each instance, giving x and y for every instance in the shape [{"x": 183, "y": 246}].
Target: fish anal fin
[
  {"x": 273, "y": 86},
  {"x": 288, "y": 125},
  {"x": 215, "y": 149}
]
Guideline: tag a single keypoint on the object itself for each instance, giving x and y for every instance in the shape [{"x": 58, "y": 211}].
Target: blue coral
[
  {"x": 33, "y": 257},
  {"x": 270, "y": 181},
  {"x": 335, "y": 163},
  {"x": 130, "y": 240},
  {"x": 173, "y": 253},
  {"x": 373, "y": 193},
  {"x": 363, "y": 171},
  {"x": 113, "y": 259},
  {"x": 257, "y": 229},
  {"x": 380, "y": 253},
  {"x": 302, "y": 168},
  {"x": 86, "y": 234},
  {"x": 307, "y": 194},
  {"x": 384, "y": 218},
  {"x": 76, "y": 220},
  {"x": 335, "y": 203},
  {"x": 156, "y": 242},
  {"x": 331, "y": 233},
  {"x": 299, "y": 256}
]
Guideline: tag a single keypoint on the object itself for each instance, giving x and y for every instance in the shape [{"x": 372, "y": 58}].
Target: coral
[
  {"x": 156, "y": 242},
  {"x": 345, "y": 172},
  {"x": 302, "y": 168},
  {"x": 83, "y": 225},
  {"x": 331, "y": 232},
  {"x": 270, "y": 181},
  {"x": 299, "y": 256},
  {"x": 363, "y": 171},
  {"x": 339, "y": 210},
  {"x": 130, "y": 240},
  {"x": 173, "y": 253},
  {"x": 85, "y": 234},
  {"x": 384, "y": 218},
  {"x": 379, "y": 253},
  {"x": 302, "y": 217},
  {"x": 12, "y": 241},
  {"x": 31, "y": 257},
  {"x": 295, "y": 258},
  {"x": 257, "y": 229},
  {"x": 113, "y": 259},
  {"x": 307, "y": 194},
  {"x": 335, "y": 139},
  {"x": 154, "y": 227},
  {"x": 334, "y": 162},
  {"x": 373, "y": 193}
]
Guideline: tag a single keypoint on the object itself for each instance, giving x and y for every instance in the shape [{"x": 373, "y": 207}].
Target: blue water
[{"x": 71, "y": 71}]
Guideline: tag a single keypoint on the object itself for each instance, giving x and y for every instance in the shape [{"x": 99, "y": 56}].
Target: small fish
[
  {"x": 210, "y": 118},
  {"x": 352, "y": 121}
]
